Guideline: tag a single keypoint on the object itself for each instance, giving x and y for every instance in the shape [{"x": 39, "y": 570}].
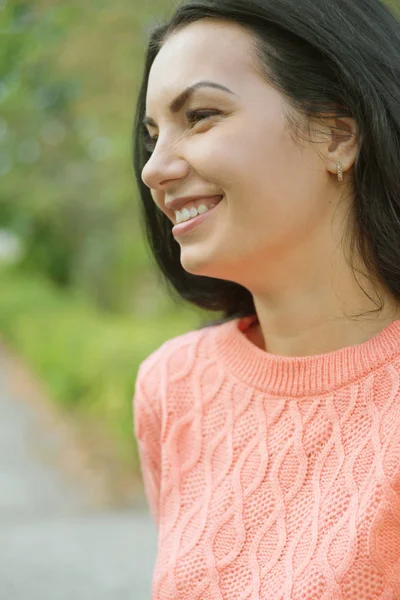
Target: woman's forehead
[
  {"x": 181, "y": 63},
  {"x": 188, "y": 50}
]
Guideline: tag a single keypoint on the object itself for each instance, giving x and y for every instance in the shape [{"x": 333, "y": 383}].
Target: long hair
[{"x": 328, "y": 58}]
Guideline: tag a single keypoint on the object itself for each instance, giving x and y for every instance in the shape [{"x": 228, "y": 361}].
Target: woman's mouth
[{"x": 193, "y": 222}]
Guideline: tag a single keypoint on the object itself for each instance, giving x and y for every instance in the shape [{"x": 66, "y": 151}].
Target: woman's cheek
[{"x": 215, "y": 158}]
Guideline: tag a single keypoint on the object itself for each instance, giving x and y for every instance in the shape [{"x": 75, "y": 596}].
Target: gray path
[{"x": 52, "y": 547}]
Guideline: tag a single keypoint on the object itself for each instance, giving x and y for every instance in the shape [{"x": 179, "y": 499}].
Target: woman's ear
[{"x": 341, "y": 144}]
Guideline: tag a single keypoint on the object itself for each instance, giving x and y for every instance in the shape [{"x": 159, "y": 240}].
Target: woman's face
[{"x": 275, "y": 191}]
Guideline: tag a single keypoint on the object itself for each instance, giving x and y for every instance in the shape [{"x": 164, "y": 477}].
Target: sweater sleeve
[{"x": 147, "y": 430}]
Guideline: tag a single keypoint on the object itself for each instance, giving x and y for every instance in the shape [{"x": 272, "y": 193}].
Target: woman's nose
[{"x": 163, "y": 166}]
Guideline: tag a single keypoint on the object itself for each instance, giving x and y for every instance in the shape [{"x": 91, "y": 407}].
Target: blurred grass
[{"x": 87, "y": 358}]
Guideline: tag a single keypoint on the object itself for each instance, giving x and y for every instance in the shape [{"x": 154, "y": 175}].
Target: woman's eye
[{"x": 193, "y": 116}]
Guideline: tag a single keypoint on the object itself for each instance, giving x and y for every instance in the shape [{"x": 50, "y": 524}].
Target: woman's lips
[{"x": 193, "y": 223}]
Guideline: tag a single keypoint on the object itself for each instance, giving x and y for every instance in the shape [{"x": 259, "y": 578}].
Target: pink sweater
[{"x": 272, "y": 477}]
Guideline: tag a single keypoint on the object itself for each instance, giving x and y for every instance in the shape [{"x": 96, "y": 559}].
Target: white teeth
[{"x": 185, "y": 214}]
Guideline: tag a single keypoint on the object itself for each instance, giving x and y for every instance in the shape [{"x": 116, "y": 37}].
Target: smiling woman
[{"x": 270, "y": 440}]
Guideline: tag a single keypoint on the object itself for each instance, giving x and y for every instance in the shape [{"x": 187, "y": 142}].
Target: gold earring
[{"x": 340, "y": 171}]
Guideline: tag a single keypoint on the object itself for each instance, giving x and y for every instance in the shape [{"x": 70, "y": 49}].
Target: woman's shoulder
[{"x": 176, "y": 353}]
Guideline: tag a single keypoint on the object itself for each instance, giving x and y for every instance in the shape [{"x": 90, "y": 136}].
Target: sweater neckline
[{"x": 304, "y": 375}]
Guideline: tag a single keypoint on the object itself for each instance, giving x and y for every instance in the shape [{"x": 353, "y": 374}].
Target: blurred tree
[{"x": 67, "y": 90}]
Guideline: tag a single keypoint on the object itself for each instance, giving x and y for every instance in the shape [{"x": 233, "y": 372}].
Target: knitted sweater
[{"x": 271, "y": 477}]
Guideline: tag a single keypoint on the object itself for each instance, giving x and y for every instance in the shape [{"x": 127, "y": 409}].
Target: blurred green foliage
[
  {"x": 88, "y": 358},
  {"x": 69, "y": 75}
]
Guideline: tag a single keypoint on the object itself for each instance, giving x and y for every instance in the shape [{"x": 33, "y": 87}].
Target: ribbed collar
[{"x": 305, "y": 375}]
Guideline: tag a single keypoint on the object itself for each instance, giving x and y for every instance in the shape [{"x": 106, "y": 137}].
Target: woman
[{"x": 270, "y": 440}]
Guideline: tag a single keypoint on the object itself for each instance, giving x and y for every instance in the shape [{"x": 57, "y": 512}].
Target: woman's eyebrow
[{"x": 176, "y": 104}]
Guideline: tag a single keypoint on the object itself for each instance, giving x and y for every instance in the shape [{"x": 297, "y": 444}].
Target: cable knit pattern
[{"x": 272, "y": 477}]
